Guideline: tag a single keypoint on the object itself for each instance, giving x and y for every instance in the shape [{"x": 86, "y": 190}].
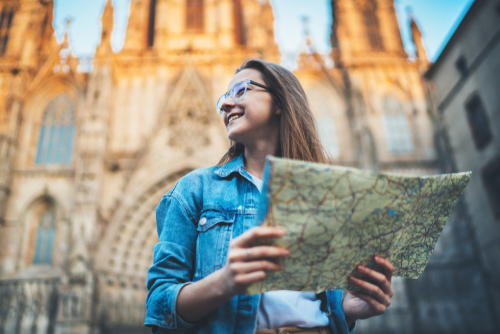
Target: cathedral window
[
  {"x": 194, "y": 16},
  {"x": 55, "y": 143},
  {"x": 45, "y": 237},
  {"x": 372, "y": 28},
  {"x": 491, "y": 181},
  {"x": 461, "y": 66},
  {"x": 5, "y": 23},
  {"x": 151, "y": 23},
  {"x": 479, "y": 124},
  {"x": 239, "y": 27},
  {"x": 397, "y": 131}
]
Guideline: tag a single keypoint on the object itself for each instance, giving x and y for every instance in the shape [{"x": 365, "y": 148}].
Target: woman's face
[{"x": 257, "y": 119}]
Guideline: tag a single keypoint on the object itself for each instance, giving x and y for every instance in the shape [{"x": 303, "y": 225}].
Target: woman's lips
[{"x": 234, "y": 119}]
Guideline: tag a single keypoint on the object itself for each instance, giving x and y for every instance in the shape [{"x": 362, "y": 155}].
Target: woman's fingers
[
  {"x": 249, "y": 237},
  {"x": 248, "y": 267},
  {"x": 372, "y": 290},
  {"x": 246, "y": 279},
  {"x": 387, "y": 266},
  {"x": 378, "y": 278},
  {"x": 258, "y": 252}
]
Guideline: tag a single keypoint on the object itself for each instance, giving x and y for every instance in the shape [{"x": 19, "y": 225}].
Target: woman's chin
[{"x": 233, "y": 133}]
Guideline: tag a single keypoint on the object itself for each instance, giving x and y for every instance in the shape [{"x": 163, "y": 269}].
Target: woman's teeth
[{"x": 233, "y": 117}]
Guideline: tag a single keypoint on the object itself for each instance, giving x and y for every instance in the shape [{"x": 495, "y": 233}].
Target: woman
[{"x": 204, "y": 262}]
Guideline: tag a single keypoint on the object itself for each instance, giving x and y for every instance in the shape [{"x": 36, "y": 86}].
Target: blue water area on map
[{"x": 392, "y": 213}]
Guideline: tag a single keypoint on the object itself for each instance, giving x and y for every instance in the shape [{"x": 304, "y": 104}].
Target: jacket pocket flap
[{"x": 209, "y": 219}]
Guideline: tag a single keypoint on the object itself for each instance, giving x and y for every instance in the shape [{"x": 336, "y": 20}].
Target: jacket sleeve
[
  {"x": 173, "y": 265},
  {"x": 338, "y": 323}
]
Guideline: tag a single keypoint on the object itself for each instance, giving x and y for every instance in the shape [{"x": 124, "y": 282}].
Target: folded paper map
[{"x": 337, "y": 218}]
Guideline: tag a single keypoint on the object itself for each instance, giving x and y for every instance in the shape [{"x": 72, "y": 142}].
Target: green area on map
[{"x": 337, "y": 218}]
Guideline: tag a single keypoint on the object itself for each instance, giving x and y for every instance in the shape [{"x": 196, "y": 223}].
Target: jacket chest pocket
[{"x": 214, "y": 234}]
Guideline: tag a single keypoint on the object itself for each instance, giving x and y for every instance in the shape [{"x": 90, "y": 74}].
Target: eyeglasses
[{"x": 237, "y": 93}]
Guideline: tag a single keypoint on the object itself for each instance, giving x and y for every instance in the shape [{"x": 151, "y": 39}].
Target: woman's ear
[{"x": 277, "y": 110}]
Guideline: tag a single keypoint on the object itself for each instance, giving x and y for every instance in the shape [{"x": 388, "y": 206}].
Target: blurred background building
[
  {"x": 468, "y": 130},
  {"x": 87, "y": 148}
]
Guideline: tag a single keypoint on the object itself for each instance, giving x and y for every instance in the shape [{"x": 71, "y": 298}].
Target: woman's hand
[
  {"x": 245, "y": 264},
  {"x": 376, "y": 295}
]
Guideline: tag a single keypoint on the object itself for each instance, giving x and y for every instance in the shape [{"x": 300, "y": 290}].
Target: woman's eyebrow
[{"x": 236, "y": 84}]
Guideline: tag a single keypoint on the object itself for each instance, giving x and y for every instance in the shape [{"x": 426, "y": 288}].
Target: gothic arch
[
  {"x": 188, "y": 80},
  {"x": 188, "y": 111},
  {"x": 126, "y": 248},
  {"x": 35, "y": 107},
  {"x": 30, "y": 220},
  {"x": 48, "y": 89}
]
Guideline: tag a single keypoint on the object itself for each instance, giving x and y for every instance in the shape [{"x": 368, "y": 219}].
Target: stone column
[
  {"x": 89, "y": 168},
  {"x": 8, "y": 141}
]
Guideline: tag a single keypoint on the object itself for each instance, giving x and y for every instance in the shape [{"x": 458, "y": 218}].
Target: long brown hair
[{"x": 299, "y": 139}]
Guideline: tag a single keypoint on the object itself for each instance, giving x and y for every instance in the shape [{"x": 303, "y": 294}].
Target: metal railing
[{"x": 28, "y": 305}]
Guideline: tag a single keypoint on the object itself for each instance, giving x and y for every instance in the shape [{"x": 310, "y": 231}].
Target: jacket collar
[{"x": 233, "y": 166}]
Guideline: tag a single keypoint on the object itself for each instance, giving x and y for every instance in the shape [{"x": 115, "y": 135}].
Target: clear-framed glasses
[{"x": 237, "y": 93}]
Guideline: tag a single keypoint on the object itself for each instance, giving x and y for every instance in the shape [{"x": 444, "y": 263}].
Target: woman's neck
[{"x": 255, "y": 158}]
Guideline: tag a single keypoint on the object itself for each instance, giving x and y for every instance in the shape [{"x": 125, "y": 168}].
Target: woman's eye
[{"x": 240, "y": 92}]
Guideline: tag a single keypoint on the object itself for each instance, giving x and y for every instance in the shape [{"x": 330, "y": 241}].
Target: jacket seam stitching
[{"x": 186, "y": 212}]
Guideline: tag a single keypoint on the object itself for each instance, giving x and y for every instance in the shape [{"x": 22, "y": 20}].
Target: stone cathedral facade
[{"x": 86, "y": 157}]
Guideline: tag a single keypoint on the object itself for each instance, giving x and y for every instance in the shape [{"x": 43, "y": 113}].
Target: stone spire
[
  {"x": 48, "y": 38},
  {"x": 308, "y": 58},
  {"x": 107, "y": 27},
  {"x": 65, "y": 53},
  {"x": 136, "y": 28},
  {"x": 416, "y": 36},
  {"x": 335, "y": 53}
]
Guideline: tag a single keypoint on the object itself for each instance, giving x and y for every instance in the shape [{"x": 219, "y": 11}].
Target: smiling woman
[
  {"x": 205, "y": 259},
  {"x": 298, "y": 135}
]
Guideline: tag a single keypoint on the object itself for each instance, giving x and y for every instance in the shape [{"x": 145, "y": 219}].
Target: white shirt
[{"x": 288, "y": 308}]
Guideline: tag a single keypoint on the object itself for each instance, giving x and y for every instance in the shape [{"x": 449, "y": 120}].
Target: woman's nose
[{"x": 228, "y": 104}]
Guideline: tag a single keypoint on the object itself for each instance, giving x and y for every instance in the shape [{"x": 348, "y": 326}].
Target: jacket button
[
  {"x": 169, "y": 319},
  {"x": 203, "y": 221}
]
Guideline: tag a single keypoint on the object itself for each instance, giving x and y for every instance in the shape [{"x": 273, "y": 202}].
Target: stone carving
[{"x": 188, "y": 116}]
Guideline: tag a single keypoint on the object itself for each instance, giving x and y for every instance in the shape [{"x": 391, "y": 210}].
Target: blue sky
[{"x": 437, "y": 19}]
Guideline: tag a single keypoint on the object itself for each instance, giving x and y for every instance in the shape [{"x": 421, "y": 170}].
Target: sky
[{"x": 437, "y": 20}]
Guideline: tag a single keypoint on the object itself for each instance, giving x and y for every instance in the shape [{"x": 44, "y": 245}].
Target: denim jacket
[{"x": 195, "y": 222}]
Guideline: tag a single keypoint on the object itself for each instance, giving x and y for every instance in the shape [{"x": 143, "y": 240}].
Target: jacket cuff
[
  {"x": 338, "y": 324},
  {"x": 171, "y": 321}
]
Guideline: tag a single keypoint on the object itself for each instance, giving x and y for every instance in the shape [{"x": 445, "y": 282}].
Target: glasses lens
[
  {"x": 237, "y": 94},
  {"x": 239, "y": 90},
  {"x": 220, "y": 102}
]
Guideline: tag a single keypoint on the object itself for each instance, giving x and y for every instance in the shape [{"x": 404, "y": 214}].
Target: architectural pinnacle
[
  {"x": 417, "y": 39},
  {"x": 107, "y": 27},
  {"x": 305, "y": 25},
  {"x": 66, "y": 33}
]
